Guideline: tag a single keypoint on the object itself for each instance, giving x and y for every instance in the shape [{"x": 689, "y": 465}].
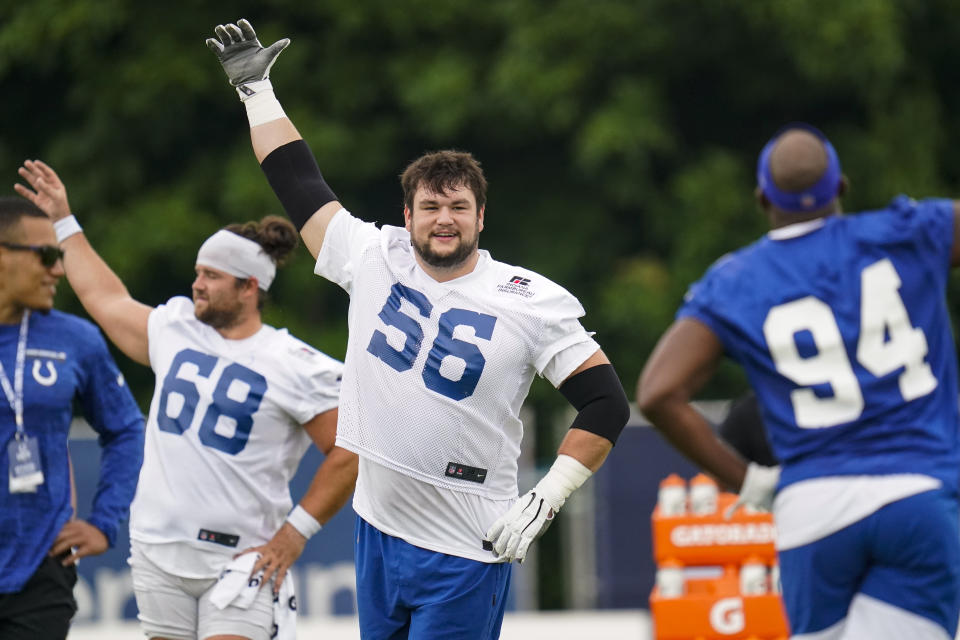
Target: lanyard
[{"x": 15, "y": 394}]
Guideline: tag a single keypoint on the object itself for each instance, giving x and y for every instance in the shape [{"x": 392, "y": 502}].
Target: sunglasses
[{"x": 48, "y": 253}]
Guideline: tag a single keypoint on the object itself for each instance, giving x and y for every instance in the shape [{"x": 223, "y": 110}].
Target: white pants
[{"x": 180, "y": 608}]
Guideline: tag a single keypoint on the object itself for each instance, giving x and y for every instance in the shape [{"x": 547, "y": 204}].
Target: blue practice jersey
[
  {"x": 66, "y": 359},
  {"x": 843, "y": 330}
]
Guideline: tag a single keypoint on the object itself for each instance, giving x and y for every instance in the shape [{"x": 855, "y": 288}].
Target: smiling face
[
  {"x": 26, "y": 283},
  {"x": 217, "y": 300},
  {"x": 445, "y": 227}
]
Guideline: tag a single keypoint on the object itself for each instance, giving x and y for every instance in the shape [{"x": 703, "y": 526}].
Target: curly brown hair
[
  {"x": 441, "y": 171},
  {"x": 278, "y": 238},
  {"x": 276, "y": 235}
]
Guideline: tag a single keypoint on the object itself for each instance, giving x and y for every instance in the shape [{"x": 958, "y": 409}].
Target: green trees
[{"x": 619, "y": 136}]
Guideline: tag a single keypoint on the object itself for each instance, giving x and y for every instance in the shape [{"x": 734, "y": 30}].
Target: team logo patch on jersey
[
  {"x": 46, "y": 376},
  {"x": 304, "y": 353},
  {"x": 226, "y": 539},
  {"x": 464, "y": 472},
  {"x": 45, "y": 372},
  {"x": 517, "y": 285}
]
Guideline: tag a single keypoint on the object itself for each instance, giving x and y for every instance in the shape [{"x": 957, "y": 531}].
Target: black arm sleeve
[
  {"x": 293, "y": 173},
  {"x": 598, "y": 396}
]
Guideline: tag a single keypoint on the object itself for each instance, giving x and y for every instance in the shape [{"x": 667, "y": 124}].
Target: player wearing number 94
[
  {"x": 236, "y": 406},
  {"x": 842, "y": 327},
  {"x": 444, "y": 343}
]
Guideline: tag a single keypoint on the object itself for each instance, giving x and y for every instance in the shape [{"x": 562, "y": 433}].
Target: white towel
[{"x": 236, "y": 587}]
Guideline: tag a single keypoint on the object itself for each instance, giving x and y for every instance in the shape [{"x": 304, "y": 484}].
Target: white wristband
[
  {"x": 565, "y": 476},
  {"x": 303, "y": 522},
  {"x": 66, "y": 227},
  {"x": 261, "y": 103}
]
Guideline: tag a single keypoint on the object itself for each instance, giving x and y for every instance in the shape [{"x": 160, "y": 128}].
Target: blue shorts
[
  {"x": 405, "y": 591},
  {"x": 906, "y": 554}
]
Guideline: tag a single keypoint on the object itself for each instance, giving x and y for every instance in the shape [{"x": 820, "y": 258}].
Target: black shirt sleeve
[{"x": 743, "y": 429}]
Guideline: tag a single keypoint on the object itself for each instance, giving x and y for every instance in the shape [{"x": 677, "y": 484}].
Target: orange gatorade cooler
[{"x": 716, "y": 576}]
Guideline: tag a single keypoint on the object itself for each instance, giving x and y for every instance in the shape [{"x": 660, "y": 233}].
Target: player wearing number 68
[
  {"x": 842, "y": 327},
  {"x": 235, "y": 407}
]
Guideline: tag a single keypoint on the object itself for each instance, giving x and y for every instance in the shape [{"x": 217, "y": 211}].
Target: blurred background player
[
  {"x": 235, "y": 407},
  {"x": 842, "y": 327},
  {"x": 444, "y": 343},
  {"x": 48, "y": 359}
]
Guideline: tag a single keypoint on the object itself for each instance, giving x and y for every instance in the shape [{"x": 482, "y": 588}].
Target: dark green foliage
[{"x": 619, "y": 136}]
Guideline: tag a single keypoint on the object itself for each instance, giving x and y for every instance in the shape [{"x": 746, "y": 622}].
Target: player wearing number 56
[
  {"x": 236, "y": 405},
  {"x": 841, "y": 324},
  {"x": 444, "y": 343}
]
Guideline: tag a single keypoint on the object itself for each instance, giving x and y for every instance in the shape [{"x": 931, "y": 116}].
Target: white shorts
[{"x": 180, "y": 608}]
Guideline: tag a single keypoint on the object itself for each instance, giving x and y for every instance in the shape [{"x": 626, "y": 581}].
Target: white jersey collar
[{"x": 796, "y": 230}]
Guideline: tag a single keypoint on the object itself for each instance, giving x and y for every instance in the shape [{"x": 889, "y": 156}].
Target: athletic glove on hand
[
  {"x": 244, "y": 59},
  {"x": 533, "y": 512},
  {"x": 528, "y": 518},
  {"x": 758, "y": 488}
]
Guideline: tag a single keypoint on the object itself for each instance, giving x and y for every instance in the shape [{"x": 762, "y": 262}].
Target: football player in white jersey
[
  {"x": 444, "y": 343},
  {"x": 236, "y": 405}
]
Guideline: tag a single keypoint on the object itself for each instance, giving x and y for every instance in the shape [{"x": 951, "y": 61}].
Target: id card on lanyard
[{"x": 23, "y": 450}]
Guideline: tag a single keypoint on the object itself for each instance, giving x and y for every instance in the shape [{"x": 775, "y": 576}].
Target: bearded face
[{"x": 444, "y": 227}]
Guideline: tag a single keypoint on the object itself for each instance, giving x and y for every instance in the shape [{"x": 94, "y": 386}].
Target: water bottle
[
  {"x": 670, "y": 579},
  {"x": 753, "y": 577},
  {"x": 703, "y": 495},
  {"x": 672, "y": 496}
]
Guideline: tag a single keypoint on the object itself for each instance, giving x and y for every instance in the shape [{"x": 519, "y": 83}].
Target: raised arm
[
  {"x": 280, "y": 149},
  {"x": 101, "y": 292}
]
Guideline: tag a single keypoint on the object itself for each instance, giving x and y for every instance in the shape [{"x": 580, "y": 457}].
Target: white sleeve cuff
[
  {"x": 565, "y": 476},
  {"x": 261, "y": 103},
  {"x": 303, "y": 522},
  {"x": 66, "y": 227}
]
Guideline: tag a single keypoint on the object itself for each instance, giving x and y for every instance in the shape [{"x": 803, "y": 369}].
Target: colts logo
[{"x": 47, "y": 379}]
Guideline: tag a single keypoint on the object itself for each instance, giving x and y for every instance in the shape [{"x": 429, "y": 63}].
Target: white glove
[
  {"x": 758, "y": 488},
  {"x": 244, "y": 59},
  {"x": 532, "y": 513},
  {"x": 528, "y": 518}
]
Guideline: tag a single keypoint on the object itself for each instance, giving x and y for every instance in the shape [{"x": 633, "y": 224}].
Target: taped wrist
[
  {"x": 66, "y": 227},
  {"x": 303, "y": 522},
  {"x": 599, "y": 398},
  {"x": 565, "y": 476},
  {"x": 296, "y": 179},
  {"x": 260, "y": 102}
]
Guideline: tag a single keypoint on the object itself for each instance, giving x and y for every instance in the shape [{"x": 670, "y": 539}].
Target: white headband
[{"x": 237, "y": 256}]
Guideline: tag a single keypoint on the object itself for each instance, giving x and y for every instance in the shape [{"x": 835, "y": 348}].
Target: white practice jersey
[
  {"x": 436, "y": 372},
  {"x": 224, "y": 435}
]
